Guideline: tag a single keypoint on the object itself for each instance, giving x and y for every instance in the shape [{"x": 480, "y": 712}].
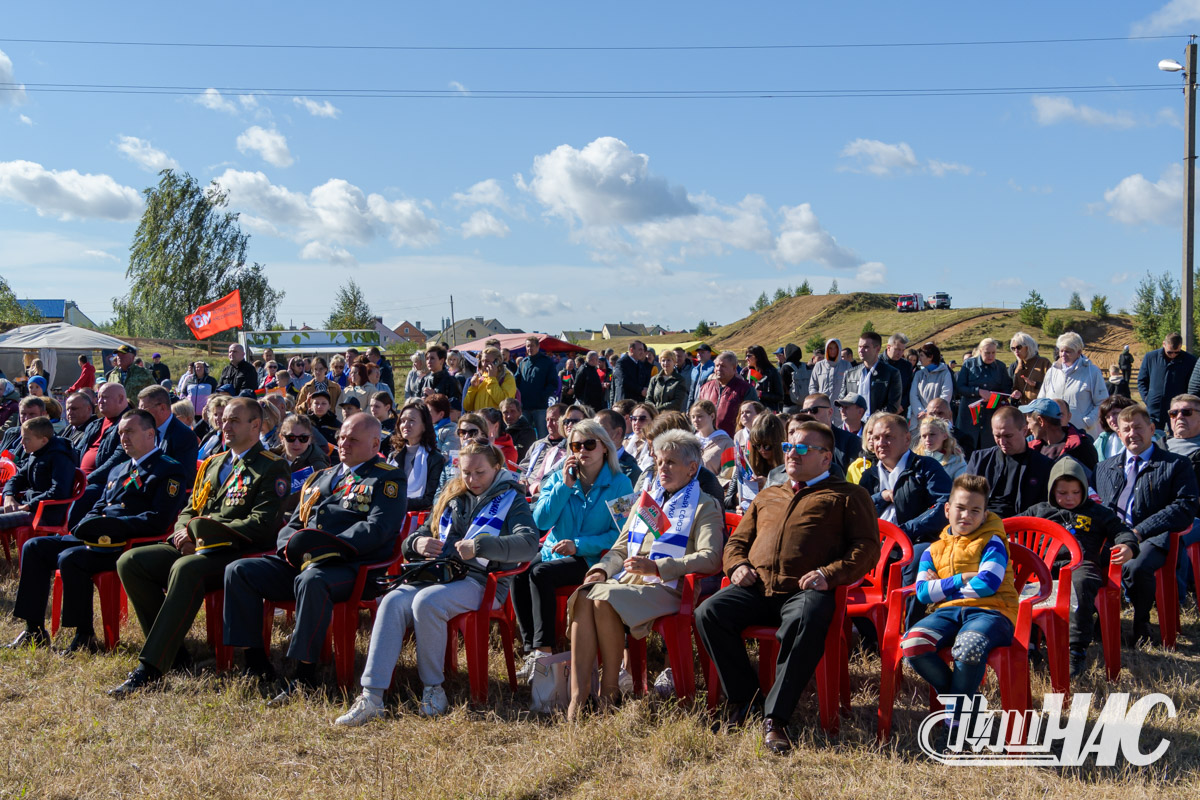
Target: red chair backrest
[
  {"x": 78, "y": 485},
  {"x": 732, "y": 520},
  {"x": 1044, "y": 538},
  {"x": 1028, "y": 567},
  {"x": 890, "y": 538}
]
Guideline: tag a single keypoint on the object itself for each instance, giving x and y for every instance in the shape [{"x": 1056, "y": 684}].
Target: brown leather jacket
[
  {"x": 784, "y": 535},
  {"x": 1027, "y": 377}
]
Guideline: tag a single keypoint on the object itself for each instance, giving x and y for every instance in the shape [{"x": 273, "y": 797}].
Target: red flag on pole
[{"x": 219, "y": 315}]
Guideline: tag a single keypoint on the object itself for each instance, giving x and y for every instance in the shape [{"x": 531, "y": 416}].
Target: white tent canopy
[{"x": 57, "y": 336}]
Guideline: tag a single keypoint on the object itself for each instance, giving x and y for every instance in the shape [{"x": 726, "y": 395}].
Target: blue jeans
[{"x": 973, "y": 632}]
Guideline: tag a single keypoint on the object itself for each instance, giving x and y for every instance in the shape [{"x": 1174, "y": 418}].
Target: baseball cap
[
  {"x": 853, "y": 400},
  {"x": 320, "y": 393},
  {"x": 1043, "y": 406},
  {"x": 780, "y": 351},
  {"x": 703, "y": 346},
  {"x": 127, "y": 348},
  {"x": 351, "y": 401},
  {"x": 227, "y": 388}
]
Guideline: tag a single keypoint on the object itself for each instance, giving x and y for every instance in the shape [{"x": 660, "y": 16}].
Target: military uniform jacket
[
  {"x": 247, "y": 504},
  {"x": 146, "y": 496},
  {"x": 356, "y": 518},
  {"x": 181, "y": 444},
  {"x": 136, "y": 379}
]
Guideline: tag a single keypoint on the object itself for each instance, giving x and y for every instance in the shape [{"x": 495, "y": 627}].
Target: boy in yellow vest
[{"x": 967, "y": 578}]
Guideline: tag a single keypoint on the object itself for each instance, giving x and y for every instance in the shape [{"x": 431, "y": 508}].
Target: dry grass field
[{"x": 209, "y": 736}]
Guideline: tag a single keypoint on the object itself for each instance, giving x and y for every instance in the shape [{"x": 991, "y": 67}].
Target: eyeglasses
[
  {"x": 1180, "y": 412},
  {"x": 586, "y": 444},
  {"x": 764, "y": 446},
  {"x": 813, "y": 409},
  {"x": 297, "y": 437},
  {"x": 568, "y": 422},
  {"x": 801, "y": 449},
  {"x": 468, "y": 432},
  {"x": 640, "y": 418}
]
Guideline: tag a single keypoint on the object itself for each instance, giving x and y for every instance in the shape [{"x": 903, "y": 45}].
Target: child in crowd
[
  {"x": 967, "y": 578},
  {"x": 1102, "y": 537}
]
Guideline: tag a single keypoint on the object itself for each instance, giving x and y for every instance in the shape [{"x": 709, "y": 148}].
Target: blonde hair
[
  {"x": 497, "y": 358},
  {"x": 185, "y": 411},
  {"x": 950, "y": 445},
  {"x": 457, "y": 487},
  {"x": 590, "y": 429}
]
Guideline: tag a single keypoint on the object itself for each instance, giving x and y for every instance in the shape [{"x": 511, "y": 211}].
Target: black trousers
[
  {"x": 1086, "y": 581},
  {"x": 250, "y": 581},
  {"x": 803, "y": 619},
  {"x": 40, "y": 557},
  {"x": 1137, "y": 577},
  {"x": 533, "y": 596}
]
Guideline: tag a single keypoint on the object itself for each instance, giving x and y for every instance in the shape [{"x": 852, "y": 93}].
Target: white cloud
[
  {"x": 1169, "y": 18},
  {"x": 248, "y": 101},
  {"x": 270, "y": 145},
  {"x": 325, "y": 109},
  {"x": 527, "y": 304},
  {"x": 68, "y": 194},
  {"x": 743, "y": 226},
  {"x": 1053, "y": 109},
  {"x": 484, "y": 193},
  {"x": 335, "y": 213},
  {"x": 212, "y": 100},
  {"x": 605, "y": 183},
  {"x": 101, "y": 255},
  {"x": 483, "y": 223},
  {"x": 1137, "y": 201},
  {"x": 1120, "y": 277},
  {"x": 1007, "y": 283},
  {"x": 145, "y": 155},
  {"x": 25, "y": 120},
  {"x": 10, "y": 96},
  {"x": 801, "y": 238},
  {"x": 1073, "y": 284},
  {"x": 884, "y": 159},
  {"x": 458, "y": 87},
  {"x": 317, "y": 251},
  {"x": 873, "y": 273}
]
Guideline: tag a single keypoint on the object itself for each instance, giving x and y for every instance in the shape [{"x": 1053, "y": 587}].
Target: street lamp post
[{"x": 1189, "y": 186}]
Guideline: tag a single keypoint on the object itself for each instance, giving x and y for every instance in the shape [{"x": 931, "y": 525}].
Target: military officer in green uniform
[
  {"x": 128, "y": 374},
  {"x": 236, "y": 509}
]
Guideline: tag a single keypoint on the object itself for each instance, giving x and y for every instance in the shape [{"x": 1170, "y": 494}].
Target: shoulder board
[
  {"x": 385, "y": 466},
  {"x": 267, "y": 454},
  {"x": 166, "y": 459}
]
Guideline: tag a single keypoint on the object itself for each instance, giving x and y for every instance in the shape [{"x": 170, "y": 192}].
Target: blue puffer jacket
[{"x": 570, "y": 514}]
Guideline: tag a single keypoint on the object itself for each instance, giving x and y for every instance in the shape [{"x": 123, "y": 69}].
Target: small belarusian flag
[
  {"x": 992, "y": 402},
  {"x": 728, "y": 459},
  {"x": 651, "y": 515},
  {"x": 755, "y": 374}
]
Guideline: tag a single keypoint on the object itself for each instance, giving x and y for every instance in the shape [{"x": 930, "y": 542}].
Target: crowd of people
[{"x": 278, "y": 479}]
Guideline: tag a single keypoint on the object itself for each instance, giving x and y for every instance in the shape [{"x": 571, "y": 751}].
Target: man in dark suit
[
  {"x": 100, "y": 447},
  {"x": 142, "y": 497},
  {"x": 1019, "y": 476},
  {"x": 631, "y": 375},
  {"x": 348, "y": 515},
  {"x": 878, "y": 383},
  {"x": 1164, "y": 373},
  {"x": 1155, "y": 492},
  {"x": 172, "y": 436},
  {"x": 80, "y": 410}
]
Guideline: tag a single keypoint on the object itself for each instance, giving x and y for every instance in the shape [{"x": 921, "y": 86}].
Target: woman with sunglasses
[
  {"x": 763, "y": 453},
  {"x": 1029, "y": 370},
  {"x": 714, "y": 440},
  {"x": 572, "y": 506},
  {"x": 298, "y": 447},
  {"x": 637, "y": 580},
  {"x": 415, "y": 450},
  {"x": 635, "y": 444},
  {"x": 480, "y": 518}
]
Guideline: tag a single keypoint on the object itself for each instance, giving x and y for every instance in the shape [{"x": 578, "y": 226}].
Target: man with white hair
[
  {"x": 589, "y": 388},
  {"x": 726, "y": 391}
]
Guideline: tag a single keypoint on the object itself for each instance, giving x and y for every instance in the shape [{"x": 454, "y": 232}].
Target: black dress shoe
[
  {"x": 1078, "y": 662},
  {"x": 775, "y": 736},
  {"x": 183, "y": 660},
  {"x": 30, "y": 638},
  {"x": 83, "y": 642},
  {"x": 141, "y": 678}
]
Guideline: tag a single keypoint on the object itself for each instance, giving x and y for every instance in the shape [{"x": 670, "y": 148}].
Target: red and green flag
[
  {"x": 728, "y": 459},
  {"x": 991, "y": 403},
  {"x": 651, "y": 515}
]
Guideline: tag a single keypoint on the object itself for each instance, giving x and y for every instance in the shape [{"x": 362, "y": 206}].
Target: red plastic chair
[
  {"x": 344, "y": 627},
  {"x": 677, "y": 631},
  {"x": 475, "y": 627},
  {"x": 35, "y": 528},
  {"x": 829, "y": 669},
  {"x": 1011, "y": 664},
  {"x": 114, "y": 608},
  {"x": 1047, "y": 539},
  {"x": 869, "y": 598},
  {"x": 1166, "y": 593},
  {"x": 214, "y": 619}
]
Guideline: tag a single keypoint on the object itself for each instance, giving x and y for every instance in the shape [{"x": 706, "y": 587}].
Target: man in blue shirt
[{"x": 537, "y": 381}]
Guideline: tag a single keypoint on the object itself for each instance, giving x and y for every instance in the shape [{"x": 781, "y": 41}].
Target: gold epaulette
[
  {"x": 200, "y": 487},
  {"x": 309, "y": 496},
  {"x": 267, "y": 454},
  {"x": 383, "y": 465}
]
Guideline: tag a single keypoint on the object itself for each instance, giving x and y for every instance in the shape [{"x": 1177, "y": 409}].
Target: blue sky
[{"x": 568, "y": 213}]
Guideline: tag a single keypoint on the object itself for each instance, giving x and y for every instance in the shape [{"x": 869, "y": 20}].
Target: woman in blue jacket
[
  {"x": 980, "y": 378},
  {"x": 572, "y": 506}
]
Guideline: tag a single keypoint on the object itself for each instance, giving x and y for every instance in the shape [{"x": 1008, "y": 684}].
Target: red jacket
[
  {"x": 87, "y": 379},
  {"x": 727, "y": 399}
]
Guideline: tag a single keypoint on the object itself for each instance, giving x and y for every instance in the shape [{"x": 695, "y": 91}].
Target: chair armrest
[
  {"x": 1025, "y": 614},
  {"x": 689, "y": 588},
  {"x": 1114, "y": 573},
  {"x": 895, "y": 600},
  {"x": 43, "y": 505}
]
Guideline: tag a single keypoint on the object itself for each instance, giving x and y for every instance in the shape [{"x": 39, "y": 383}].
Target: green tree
[
  {"x": 1100, "y": 305},
  {"x": 868, "y": 327},
  {"x": 804, "y": 289},
  {"x": 1053, "y": 326},
  {"x": 1075, "y": 303},
  {"x": 12, "y": 311},
  {"x": 833, "y": 289},
  {"x": 815, "y": 343},
  {"x": 761, "y": 303},
  {"x": 781, "y": 294},
  {"x": 350, "y": 309},
  {"x": 187, "y": 252},
  {"x": 702, "y": 330},
  {"x": 1033, "y": 310}
]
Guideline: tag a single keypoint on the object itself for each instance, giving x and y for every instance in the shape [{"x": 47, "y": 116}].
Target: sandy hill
[{"x": 799, "y": 319}]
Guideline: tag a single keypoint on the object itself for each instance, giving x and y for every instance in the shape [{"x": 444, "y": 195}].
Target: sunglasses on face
[
  {"x": 801, "y": 449},
  {"x": 586, "y": 444},
  {"x": 640, "y": 418},
  {"x": 468, "y": 432},
  {"x": 813, "y": 409},
  {"x": 569, "y": 422},
  {"x": 296, "y": 437},
  {"x": 1180, "y": 412}
]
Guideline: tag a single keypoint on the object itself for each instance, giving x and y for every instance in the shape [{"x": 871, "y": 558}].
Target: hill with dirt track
[{"x": 799, "y": 320}]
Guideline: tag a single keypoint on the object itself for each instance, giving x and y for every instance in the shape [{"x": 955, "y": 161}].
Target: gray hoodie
[{"x": 829, "y": 376}]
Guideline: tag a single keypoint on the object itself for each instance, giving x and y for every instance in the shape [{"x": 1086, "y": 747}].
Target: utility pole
[
  {"x": 1189, "y": 196},
  {"x": 454, "y": 334}
]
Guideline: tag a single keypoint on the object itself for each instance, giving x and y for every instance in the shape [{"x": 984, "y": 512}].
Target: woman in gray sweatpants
[{"x": 489, "y": 525}]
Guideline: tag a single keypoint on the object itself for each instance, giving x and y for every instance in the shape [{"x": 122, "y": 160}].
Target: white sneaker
[
  {"x": 625, "y": 681},
  {"x": 525, "y": 673},
  {"x": 664, "y": 684},
  {"x": 433, "y": 702},
  {"x": 366, "y": 708}
]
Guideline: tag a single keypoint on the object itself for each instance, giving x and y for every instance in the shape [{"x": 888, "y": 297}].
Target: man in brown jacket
[{"x": 795, "y": 543}]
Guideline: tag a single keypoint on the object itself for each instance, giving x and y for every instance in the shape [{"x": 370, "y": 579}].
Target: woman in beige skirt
[{"x": 673, "y": 529}]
